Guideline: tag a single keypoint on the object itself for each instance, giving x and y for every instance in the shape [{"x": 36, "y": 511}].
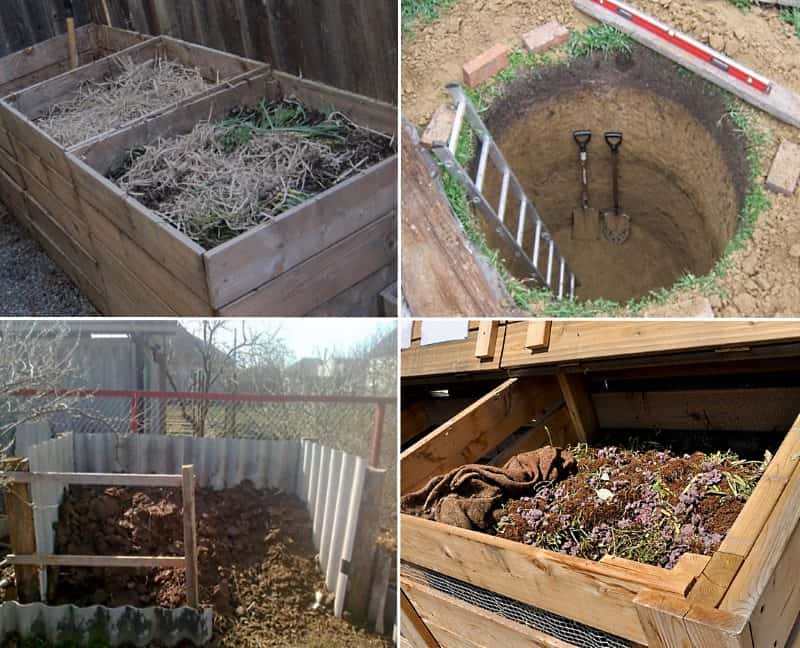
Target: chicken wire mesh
[{"x": 554, "y": 625}]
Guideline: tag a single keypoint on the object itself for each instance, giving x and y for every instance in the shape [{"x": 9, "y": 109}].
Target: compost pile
[
  {"x": 651, "y": 507},
  {"x": 136, "y": 90},
  {"x": 222, "y": 179},
  {"x": 256, "y": 561}
]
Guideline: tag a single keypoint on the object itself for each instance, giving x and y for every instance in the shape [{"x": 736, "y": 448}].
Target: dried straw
[
  {"x": 138, "y": 89},
  {"x": 223, "y": 179}
]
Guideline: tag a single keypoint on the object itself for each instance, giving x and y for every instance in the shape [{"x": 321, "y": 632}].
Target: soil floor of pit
[
  {"x": 682, "y": 167},
  {"x": 256, "y": 562},
  {"x": 762, "y": 280}
]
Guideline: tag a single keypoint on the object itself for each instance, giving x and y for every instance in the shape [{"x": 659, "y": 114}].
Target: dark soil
[
  {"x": 256, "y": 561},
  {"x": 651, "y": 507},
  {"x": 683, "y": 166}
]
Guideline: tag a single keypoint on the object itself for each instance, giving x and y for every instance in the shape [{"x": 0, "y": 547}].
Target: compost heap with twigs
[
  {"x": 651, "y": 507},
  {"x": 224, "y": 178},
  {"x": 136, "y": 90},
  {"x": 256, "y": 561}
]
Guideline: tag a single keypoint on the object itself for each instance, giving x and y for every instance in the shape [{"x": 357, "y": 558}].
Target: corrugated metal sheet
[
  {"x": 118, "y": 626},
  {"x": 29, "y": 434}
]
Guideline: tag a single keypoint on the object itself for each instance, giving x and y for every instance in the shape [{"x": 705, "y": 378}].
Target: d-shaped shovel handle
[
  {"x": 614, "y": 140},
  {"x": 582, "y": 137}
]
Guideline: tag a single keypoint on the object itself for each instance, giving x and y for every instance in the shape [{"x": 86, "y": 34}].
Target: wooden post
[
  {"x": 377, "y": 434},
  {"x": 579, "y": 404},
  {"x": 362, "y": 563},
  {"x": 107, "y": 13},
  {"x": 71, "y": 38},
  {"x": 23, "y": 539},
  {"x": 190, "y": 537}
]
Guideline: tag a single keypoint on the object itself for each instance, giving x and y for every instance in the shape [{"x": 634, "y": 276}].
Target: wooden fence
[{"x": 349, "y": 44}]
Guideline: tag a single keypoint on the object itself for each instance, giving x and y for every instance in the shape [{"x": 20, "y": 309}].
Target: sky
[{"x": 306, "y": 336}]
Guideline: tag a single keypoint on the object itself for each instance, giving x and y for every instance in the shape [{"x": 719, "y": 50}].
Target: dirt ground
[
  {"x": 762, "y": 280},
  {"x": 255, "y": 556}
]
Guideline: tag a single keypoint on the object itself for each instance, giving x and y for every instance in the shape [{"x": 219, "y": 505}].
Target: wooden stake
[
  {"x": 73, "y": 43},
  {"x": 190, "y": 537},
  {"x": 108, "y": 13},
  {"x": 23, "y": 539}
]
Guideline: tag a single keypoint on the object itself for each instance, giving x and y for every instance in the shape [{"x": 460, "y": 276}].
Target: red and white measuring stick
[{"x": 688, "y": 44}]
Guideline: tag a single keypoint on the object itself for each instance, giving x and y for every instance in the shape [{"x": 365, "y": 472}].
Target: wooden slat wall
[
  {"x": 26, "y": 22},
  {"x": 349, "y": 44}
]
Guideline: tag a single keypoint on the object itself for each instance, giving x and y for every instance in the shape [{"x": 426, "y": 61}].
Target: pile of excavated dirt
[
  {"x": 762, "y": 279},
  {"x": 256, "y": 561},
  {"x": 651, "y": 507}
]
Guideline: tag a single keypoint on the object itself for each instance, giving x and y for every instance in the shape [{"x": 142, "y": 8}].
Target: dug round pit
[{"x": 683, "y": 167}]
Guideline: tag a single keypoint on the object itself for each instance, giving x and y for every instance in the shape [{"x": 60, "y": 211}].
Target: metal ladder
[{"x": 513, "y": 245}]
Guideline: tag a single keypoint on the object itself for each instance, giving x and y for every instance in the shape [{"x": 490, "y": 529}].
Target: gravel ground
[{"x": 31, "y": 285}]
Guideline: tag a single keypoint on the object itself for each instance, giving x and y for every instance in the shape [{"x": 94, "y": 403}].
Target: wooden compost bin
[
  {"x": 744, "y": 595},
  {"x": 37, "y": 181},
  {"x": 331, "y": 247}
]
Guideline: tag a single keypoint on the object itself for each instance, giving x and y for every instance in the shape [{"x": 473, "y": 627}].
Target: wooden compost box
[
  {"x": 460, "y": 586},
  {"x": 51, "y": 57},
  {"x": 332, "y": 254}
]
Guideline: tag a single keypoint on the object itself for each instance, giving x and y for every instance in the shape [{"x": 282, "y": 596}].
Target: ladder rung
[
  {"x": 572, "y": 285},
  {"x": 523, "y": 211},
  {"x": 459, "y": 121},
  {"x": 485, "y": 146},
  {"x": 550, "y": 263},
  {"x": 561, "y": 279},
  {"x": 501, "y": 208},
  {"x": 537, "y": 239}
]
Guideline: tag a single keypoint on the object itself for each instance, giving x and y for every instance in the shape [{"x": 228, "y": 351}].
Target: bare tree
[{"x": 37, "y": 368}]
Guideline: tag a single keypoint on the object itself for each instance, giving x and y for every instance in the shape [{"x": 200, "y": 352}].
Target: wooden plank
[
  {"x": 780, "y": 102},
  {"x": 702, "y": 409},
  {"x": 362, "y": 110},
  {"x": 475, "y": 431},
  {"x": 537, "y": 338},
  {"x": 42, "y": 55},
  {"x": 19, "y": 508},
  {"x": 23, "y": 130},
  {"x": 13, "y": 197},
  {"x": 248, "y": 262},
  {"x": 761, "y": 564},
  {"x": 314, "y": 281},
  {"x": 579, "y": 404},
  {"x": 555, "y": 429},
  {"x": 190, "y": 536},
  {"x": 9, "y": 165},
  {"x": 680, "y": 581},
  {"x": 181, "y": 256},
  {"x": 671, "y": 621},
  {"x": 64, "y": 560},
  {"x": 97, "y": 479},
  {"x": 589, "y": 592},
  {"x": 714, "y": 580},
  {"x": 109, "y": 240},
  {"x": 747, "y": 527},
  {"x": 456, "y": 623},
  {"x": 441, "y": 275},
  {"x": 592, "y": 340},
  {"x": 412, "y": 627},
  {"x": 487, "y": 340},
  {"x": 59, "y": 247},
  {"x": 379, "y": 590},
  {"x": 449, "y": 357},
  {"x": 423, "y": 415},
  {"x": 359, "y": 300},
  {"x": 776, "y": 612}
]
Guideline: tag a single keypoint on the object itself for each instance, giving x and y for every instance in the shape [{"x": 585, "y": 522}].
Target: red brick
[
  {"x": 484, "y": 67},
  {"x": 785, "y": 172},
  {"x": 546, "y": 36}
]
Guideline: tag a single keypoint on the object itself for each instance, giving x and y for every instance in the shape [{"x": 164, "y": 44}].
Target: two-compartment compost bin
[
  {"x": 723, "y": 395},
  {"x": 157, "y": 179}
]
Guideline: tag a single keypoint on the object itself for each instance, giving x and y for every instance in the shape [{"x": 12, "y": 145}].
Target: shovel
[
  {"x": 585, "y": 220},
  {"x": 616, "y": 224}
]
